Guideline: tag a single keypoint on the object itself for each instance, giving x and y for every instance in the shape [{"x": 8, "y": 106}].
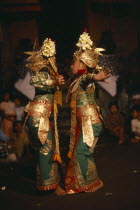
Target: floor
[{"x": 118, "y": 167}]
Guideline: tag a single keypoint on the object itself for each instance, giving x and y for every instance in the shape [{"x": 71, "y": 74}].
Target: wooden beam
[{"x": 20, "y": 8}]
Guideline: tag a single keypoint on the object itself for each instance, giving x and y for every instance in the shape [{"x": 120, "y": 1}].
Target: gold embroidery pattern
[
  {"x": 44, "y": 150},
  {"x": 49, "y": 183},
  {"x": 80, "y": 179},
  {"x": 43, "y": 129},
  {"x": 39, "y": 80},
  {"x": 91, "y": 149},
  {"x": 44, "y": 98},
  {"x": 88, "y": 135},
  {"x": 86, "y": 117},
  {"x": 92, "y": 172},
  {"x": 92, "y": 175},
  {"x": 75, "y": 183},
  {"x": 36, "y": 122},
  {"x": 73, "y": 87},
  {"x": 75, "y": 84},
  {"x": 71, "y": 183},
  {"x": 73, "y": 128},
  {"x": 41, "y": 112},
  {"x": 56, "y": 130},
  {"x": 50, "y": 82}
]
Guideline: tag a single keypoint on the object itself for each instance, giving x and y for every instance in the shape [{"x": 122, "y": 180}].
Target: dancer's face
[{"x": 77, "y": 65}]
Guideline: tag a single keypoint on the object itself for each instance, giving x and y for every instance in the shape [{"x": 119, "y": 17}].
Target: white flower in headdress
[
  {"x": 99, "y": 50},
  {"x": 48, "y": 48},
  {"x": 99, "y": 67},
  {"x": 85, "y": 42}
]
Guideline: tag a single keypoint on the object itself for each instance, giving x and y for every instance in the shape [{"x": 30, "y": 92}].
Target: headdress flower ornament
[
  {"x": 87, "y": 52},
  {"x": 84, "y": 42},
  {"x": 48, "y": 48}
]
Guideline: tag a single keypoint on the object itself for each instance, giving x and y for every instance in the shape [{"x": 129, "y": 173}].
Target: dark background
[{"x": 24, "y": 22}]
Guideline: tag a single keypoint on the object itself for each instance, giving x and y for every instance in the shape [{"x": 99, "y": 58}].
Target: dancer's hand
[
  {"x": 102, "y": 75},
  {"x": 60, "y": 79}
]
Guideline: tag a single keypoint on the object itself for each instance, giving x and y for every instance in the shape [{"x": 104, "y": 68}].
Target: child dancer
[{"x": 86, "y": 121}]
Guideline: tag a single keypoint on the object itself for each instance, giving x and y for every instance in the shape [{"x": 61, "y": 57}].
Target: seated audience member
[
  {"x": 134, "y": 111},
  {"x": 21, "y": 139},
  {"x": 6, "y": 149},
  {"x": 7, "y": 108},
  {"x": 3, "y": 145},
  {"x": 134, "y": 100},
  {"x": 135, "y": 124},
  {"x": 19, "y": 109},
  {"x": 115, "y": 122}
]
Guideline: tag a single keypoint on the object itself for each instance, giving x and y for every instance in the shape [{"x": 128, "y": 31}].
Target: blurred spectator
[
  {"x": 3, "y": 145},
  {"x": 7, "y": 108},
  {"x": 21, "y": 139},
  {"x": 135, "y": 124},
  {"x": 134, "y": 111},
  {"x": 135, "y": 100},
  {"x": 123, "y": 101},
  {"x": 19, "y": 109},
  {"x": 116, "y": 123},
  {"x": 6, "y": 154}
]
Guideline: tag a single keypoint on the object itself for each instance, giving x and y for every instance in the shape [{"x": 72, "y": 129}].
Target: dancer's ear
[{"x": 82, "y": 65}]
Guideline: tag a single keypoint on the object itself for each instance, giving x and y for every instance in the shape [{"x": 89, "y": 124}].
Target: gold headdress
[
  {"x": 43, "y": 57},
  {"x": 36, "y": 61},
  {"x": 87, "y": 52}
]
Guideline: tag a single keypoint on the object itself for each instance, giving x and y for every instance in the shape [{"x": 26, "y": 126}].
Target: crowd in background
[
  {"x": 120, "y": 113},
  {"x": 14, "y": 138},
  {"x": 122, "y": 124}
]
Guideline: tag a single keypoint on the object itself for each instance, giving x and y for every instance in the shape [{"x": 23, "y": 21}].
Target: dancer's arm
[{"x": 41, "y": 79}]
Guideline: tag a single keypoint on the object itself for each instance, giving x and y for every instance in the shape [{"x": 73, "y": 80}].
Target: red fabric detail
[
  {"x": 86, "y": 187},
  {"x": 81, "y": 71},
  {"x": 48, "y": 187},
  {"x": 71, "y": 181}
]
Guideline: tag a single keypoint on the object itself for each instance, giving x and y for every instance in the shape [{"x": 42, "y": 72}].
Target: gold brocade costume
[
  {"x": 86, "y": 125},
  {"x": 39, "y": 112},
  {"x": 86, "y": 121},
  {"x": 47, "y": 96}
]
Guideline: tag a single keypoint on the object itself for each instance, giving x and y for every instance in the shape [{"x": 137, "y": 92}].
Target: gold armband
[{"x": 50, "y": 82}]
